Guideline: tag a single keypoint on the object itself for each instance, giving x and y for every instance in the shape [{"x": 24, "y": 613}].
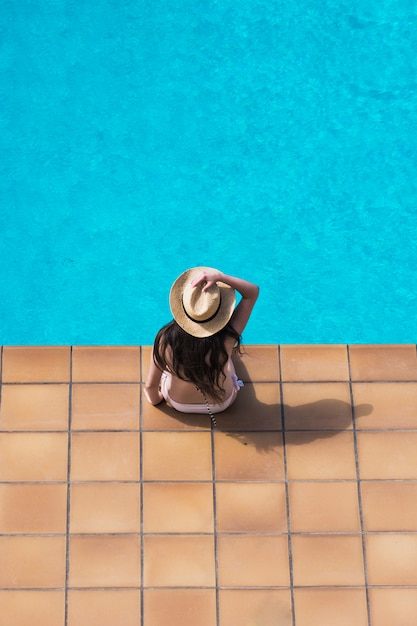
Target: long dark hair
[{"x": 199, "y": 360}]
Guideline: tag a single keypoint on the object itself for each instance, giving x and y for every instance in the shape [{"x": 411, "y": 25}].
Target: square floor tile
[
  {"x": 33, "y": 508},
  {"x": 251, "y": 507},
  {"x": 257, "y": 407},
  {"x": 41, "y": 364},
  {"x": 104, "y": 561},
  {"x": 178, "y": 508},
  {"x": 33, "y": 456},
  {"x": 321, "y": 455},
  {"x": 383, "y": 362},
  {"x": 330, "y": 607},
  {"x": 317, "y": 406},
  {"x": 258, "y": 363},
  {"x": 324, "y": 507},
  {"x": 106, "y": 364},
  {"x": 105, "y": 456},
  {"x": 253, "y": 561},
  {"x": 267, "y": 607},
  {"x": 30, "y": 608},
  {"x": 178, "y": 561},
  {"x": 393, "y": 606},
  {"x": 105, "y": 407},
  {"x": 105, "y": 508},
  {"x": 177, "y": 456},
  {"x": 249, "y": 456},
  {"x": 104, "y": 607},
  {"x": 34, "y": 562},
  {"x": 391, "y": 559},
  {"x": 179, "y": 607},
  {"x": 34, "y": 407},
  {"x": 314, "y": 363},
  {"x": 390, "y": 405},
  {"x": 389, "y": 506},
  {"x": 387, "y": 455},
  {"x": 327, "y": 560},
  {"x": 146, "y": 352},
  {"x": 163, "y": 417}
]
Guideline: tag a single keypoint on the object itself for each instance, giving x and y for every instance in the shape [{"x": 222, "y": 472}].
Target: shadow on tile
[
  {"x": 323, "y": 417},
  {"x": 319, "y": 409}
]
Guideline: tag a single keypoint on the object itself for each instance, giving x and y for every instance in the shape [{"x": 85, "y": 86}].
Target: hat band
[{"x": 201, "y": 321}]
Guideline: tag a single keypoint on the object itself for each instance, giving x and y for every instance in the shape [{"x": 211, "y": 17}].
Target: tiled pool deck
[{"x": 299, "y": 509}]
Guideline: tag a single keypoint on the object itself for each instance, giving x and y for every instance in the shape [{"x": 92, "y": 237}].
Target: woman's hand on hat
[{"x": 209, "y": 277}]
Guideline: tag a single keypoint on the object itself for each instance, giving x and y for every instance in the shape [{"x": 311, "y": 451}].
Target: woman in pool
[{"x": 191, "y": 366}]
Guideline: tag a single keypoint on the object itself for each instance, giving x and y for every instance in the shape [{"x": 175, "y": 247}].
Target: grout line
[
  {"x": 67, "y": 547},
  {"x": 17, "y": 483},
  {"x": 219, "y": 430},
  {"x": 188, "y": 587},
  {"x": 355, "y": 443},
  {"x": 339, "y": 381},
  {"x": 141, "y": 495},
  {"x": 335, "y": 381},
  {"x": 215, "y": 534},
  {"x": 254, "y": 533},
  {"x": 287, "y": 495},
  {"x": 46, "y": 383}
]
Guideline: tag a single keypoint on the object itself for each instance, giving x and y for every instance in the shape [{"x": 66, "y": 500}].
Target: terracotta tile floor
[{"x": 298, "y": 509}]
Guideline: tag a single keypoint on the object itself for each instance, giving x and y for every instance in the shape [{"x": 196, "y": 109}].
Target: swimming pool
[{"x": 274, "y": 140}]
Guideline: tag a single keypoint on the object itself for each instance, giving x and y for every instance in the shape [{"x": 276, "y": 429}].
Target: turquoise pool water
[{"x": 275, "y": 140}]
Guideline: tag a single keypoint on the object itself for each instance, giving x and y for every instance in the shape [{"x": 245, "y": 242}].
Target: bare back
[{"x": 186, "y": 392}]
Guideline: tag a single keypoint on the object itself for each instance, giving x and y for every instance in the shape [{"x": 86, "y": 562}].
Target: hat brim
[{"x": 212, "y": 326}]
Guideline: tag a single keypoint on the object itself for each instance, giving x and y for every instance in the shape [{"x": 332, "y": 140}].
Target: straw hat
[{"x": 201, "y": 313}]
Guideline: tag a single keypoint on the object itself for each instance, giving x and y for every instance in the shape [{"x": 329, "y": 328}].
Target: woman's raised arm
[{"x": 248, "y": 291}]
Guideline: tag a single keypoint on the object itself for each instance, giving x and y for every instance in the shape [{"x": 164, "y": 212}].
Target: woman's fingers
[
  {"x": 205, "y": 277},
  {"x": 201, "y": 278}
]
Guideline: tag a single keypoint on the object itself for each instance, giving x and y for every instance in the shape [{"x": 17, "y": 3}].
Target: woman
[{"x": 191, "y": 366}]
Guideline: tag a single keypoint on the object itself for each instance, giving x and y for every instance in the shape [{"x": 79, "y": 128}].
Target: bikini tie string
[{"x": 210, "y": 412}]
